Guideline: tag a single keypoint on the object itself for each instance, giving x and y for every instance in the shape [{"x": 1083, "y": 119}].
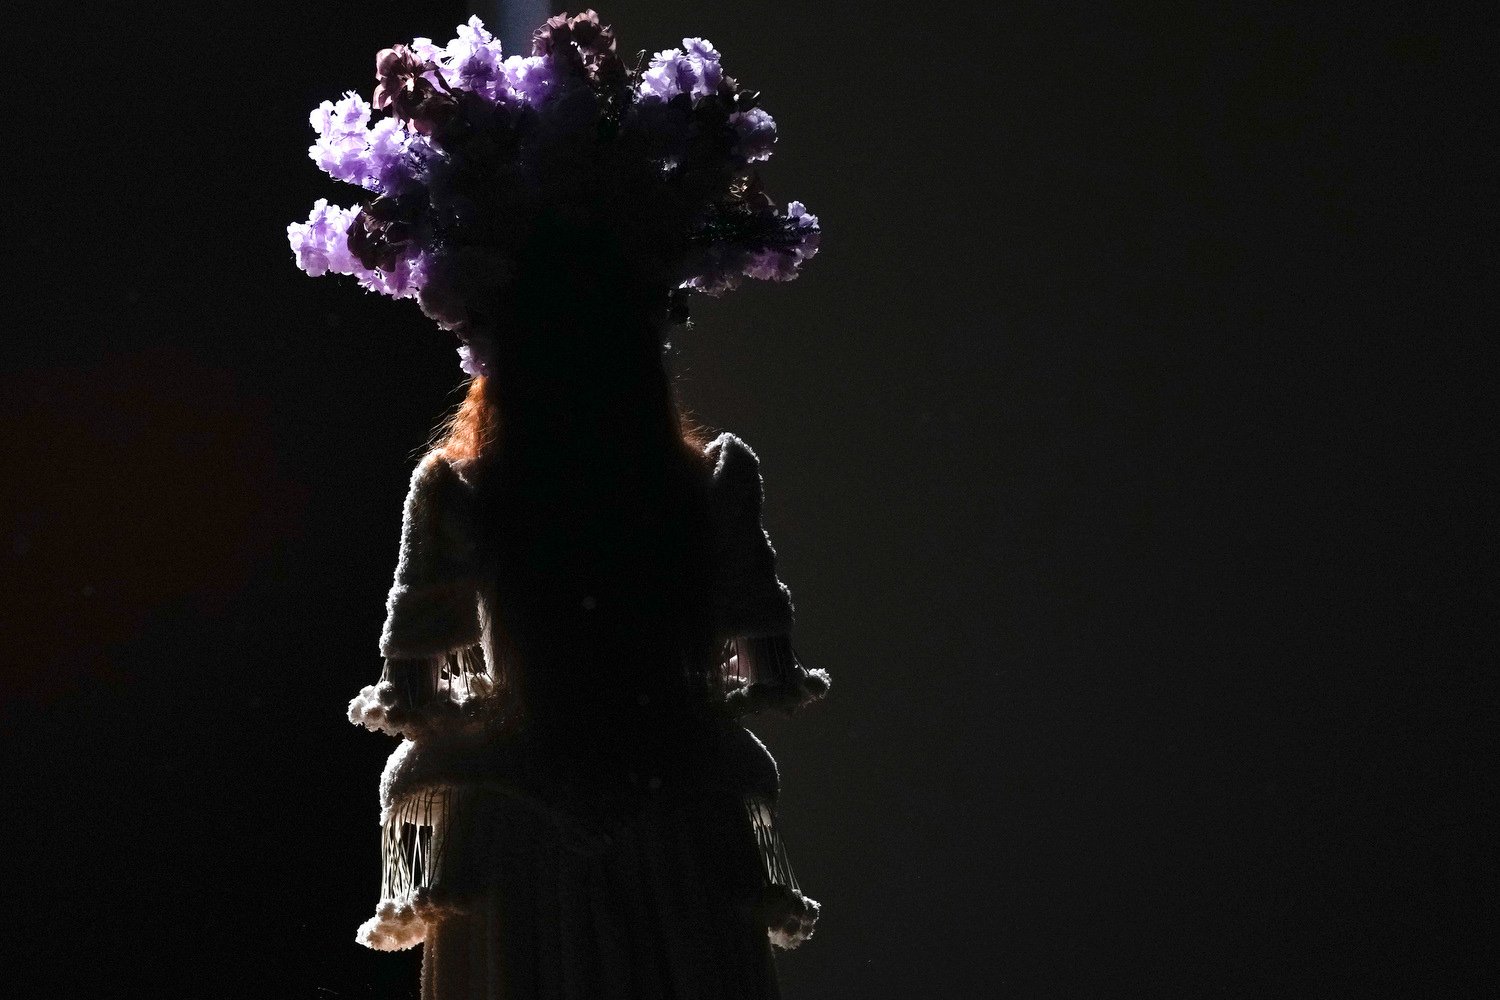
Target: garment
[{"x": 519, "y": 886}]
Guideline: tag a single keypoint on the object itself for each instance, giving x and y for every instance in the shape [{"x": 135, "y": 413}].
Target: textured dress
[{"x": 517, "y": 883}]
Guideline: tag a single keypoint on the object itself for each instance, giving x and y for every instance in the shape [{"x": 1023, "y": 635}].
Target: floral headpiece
[{"x": 478, "y": 152}]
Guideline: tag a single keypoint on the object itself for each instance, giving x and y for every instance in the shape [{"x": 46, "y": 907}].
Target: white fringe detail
[
  {"x": 415, "y": 838},
  {"x": 462, "y": 694},
  {"x": 431, "y": 865},
  {"x": 790, "y": 916},
  {"x": 421, "y": 880},
  {"x": 763, "y": 672}
]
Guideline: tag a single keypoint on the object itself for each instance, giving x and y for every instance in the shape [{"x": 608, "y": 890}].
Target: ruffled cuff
[
  {"x": 428, "y": 619},
  {"x": 790, "y": 916},
  {"x": 763, "y": 672},
  {"x": 399, "y": 924},
  {"x": 751, "y": 699},
  {"x": 425, "y": 699}
]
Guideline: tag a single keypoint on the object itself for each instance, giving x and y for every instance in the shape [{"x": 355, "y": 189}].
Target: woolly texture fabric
[
  {"x": 559, "y": 898},
  {"x": 748, "y": 598},
  {"x": 433, "y": 606}
]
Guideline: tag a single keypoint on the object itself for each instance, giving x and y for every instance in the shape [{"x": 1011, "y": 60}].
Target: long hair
[
  {"x": 592, "y": 509},
  {"x": 472, "y": 430}
]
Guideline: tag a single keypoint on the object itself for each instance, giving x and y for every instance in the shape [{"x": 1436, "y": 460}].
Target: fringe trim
[
  {"x": 421, "y": 848},
  {"x": 763, "y": 672},
  {"x": 460, "y": 693},
  {"x": 790, "y": 916},
  {"x": 429, "y": 871},
  {"x": 415, "y": 840}
]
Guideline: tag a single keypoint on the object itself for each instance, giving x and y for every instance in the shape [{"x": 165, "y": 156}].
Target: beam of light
[{"x": 514, "y": 21}]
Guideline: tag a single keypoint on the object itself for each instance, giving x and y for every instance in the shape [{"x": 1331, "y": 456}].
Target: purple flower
[
  {"x": 670, "y": 73},
  {"x": 403, "y": 281},
  {"x": 349, "y": 116},
  {"x": 530, "y": 78},
  {"x": 341, "y": 129},
  {"x": 390, "y": 159},
  {"x": 321, "y": 246},
  {"x": 765, "y": 244},
  {"x": 717, "y": 274},
  {"x": 771, "y": 265},
  {"x": 377, "y": 158},
  {"x": 472, "y": 359},
  {"x": 427, "y": 50},
  {"x": 479, "y": 151},
  {"x": 808, "y": 230},
  {"x": 755, "y": 133},
  {"x": 693, "y": 70},
  {"x": 473, "y": 61},
  {"x": 704, "y": 58},
  {"x": 780, "y": 263}
]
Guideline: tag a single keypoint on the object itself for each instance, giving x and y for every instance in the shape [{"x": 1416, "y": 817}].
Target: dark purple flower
[
  {"x": 481, "y": 156},
  {"x": 580, "y": 45},
  {"x": 755, "y": 134},
  {"x": 321, "y": 246},
  {"x": 405, "y": 86},
  {"x": 382, "y": 233}
]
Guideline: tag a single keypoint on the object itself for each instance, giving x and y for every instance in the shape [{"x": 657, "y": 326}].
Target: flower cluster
[{"x": 482, "y": 159}]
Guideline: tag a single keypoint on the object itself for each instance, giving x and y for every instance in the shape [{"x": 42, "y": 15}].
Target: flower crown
[{"x": 479, "y": 153}]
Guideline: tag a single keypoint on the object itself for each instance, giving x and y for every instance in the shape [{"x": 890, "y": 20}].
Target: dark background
[{"x": 1129, "y": 451}]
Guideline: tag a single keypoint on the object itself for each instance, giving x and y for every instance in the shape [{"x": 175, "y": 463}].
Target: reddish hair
[
  {"x": 471, "y": 429},
  {"x": 474, "y": 427}
]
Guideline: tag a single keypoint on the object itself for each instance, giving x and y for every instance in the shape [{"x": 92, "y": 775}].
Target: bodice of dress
[
  {"x": 445, "y": 690},
  {"x": 438, "y": 611}
]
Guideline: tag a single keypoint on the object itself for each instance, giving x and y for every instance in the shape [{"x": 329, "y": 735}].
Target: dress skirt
[{"x": 660, "y": 903}]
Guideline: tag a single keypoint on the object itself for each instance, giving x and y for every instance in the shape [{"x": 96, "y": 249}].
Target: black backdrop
[{"x": 1124, "y": 450}]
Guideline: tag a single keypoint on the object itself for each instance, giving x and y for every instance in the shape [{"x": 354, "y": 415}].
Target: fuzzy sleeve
[
  {"x": 752, "y": 608},
  {"x": 433, "y": 606},
  {"x": 748, "y": 597}
]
